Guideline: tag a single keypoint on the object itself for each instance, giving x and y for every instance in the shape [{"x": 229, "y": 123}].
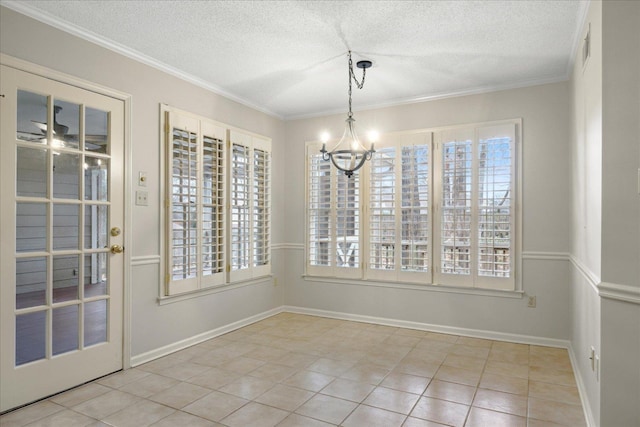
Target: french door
[{"x": 61, "y": 237}]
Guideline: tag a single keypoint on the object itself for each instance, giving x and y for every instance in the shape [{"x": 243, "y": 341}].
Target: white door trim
[{"x": 41, "y": 71}]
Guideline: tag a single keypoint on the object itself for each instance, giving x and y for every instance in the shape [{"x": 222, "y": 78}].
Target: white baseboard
[
  {"x": 196, "y": 339},
  {"x": 475, "y": 333},
  {"x": 582, "y": 390}
]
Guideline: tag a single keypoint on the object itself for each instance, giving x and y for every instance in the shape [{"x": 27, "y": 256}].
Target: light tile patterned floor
[{"x": 294, "y": 370}]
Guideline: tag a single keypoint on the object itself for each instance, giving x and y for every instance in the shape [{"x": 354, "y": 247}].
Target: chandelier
[{"x": 349, "y": 154}]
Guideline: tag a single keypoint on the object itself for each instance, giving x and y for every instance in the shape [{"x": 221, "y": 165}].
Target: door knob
[{"x": 117, "y": 249}]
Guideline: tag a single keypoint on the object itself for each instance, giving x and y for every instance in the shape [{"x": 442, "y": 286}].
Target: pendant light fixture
[{"x": 349, "y": 154}]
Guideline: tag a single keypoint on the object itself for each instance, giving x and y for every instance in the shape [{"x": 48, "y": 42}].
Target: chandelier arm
[{"x": 348, "y": 172}]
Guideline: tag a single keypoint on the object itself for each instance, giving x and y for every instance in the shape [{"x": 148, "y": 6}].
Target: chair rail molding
[
  {"x": 619, "y": 292},
  {"x": 145, "y": 260}
]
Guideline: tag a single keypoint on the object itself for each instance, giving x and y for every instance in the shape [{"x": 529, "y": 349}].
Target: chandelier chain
[{"x": 352, "y": 76}]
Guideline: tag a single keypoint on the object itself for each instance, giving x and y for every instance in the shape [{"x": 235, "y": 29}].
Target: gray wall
[
  {"x": 546, "y": 188},
  {"x": 620, "y": 371}
]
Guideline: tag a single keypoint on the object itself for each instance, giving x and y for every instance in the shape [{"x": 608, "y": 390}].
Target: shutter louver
[
  {"x": 415, "y": 208},
  {"x": 240, "y": 207}
]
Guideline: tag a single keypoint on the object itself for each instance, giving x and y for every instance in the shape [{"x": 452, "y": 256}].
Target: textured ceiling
[{"x": 289, "y": 57}]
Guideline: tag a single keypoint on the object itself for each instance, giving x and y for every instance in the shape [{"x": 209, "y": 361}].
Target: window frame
[
  {"x": 173, "y": 118},
  {"x": 332, "y": 270},
  {"x": 398, "y": 141},
  {"x": 433, "y": 278},
  {"x": 253, "y": 143},
  {"x": 474, "y": 279}
]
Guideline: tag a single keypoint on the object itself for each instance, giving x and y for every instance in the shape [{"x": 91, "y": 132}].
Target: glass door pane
[{"x": 62, "y": 220}]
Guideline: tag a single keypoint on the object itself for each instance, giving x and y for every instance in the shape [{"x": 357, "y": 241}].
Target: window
[
  {"x": 334, "y": 220},
  {"x": 207, "y": 242},
  {"x": 250, "y": 206},
  {"x": 398, "y": 210},
  {"x": 430, "y": 208}
]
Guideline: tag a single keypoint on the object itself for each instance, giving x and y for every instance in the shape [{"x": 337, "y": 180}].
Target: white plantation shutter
[
  {"x": 333, "y": 215},
  {"x": 495, "y": 205},
  {"x": 240, "y": 203},
  {"x": 250, "y": 231},
  {"x": 382, "y": 210},
  {"x": 261, "y": 207},
  {"x": 319, "y": 211},
  {"x": 416, "y": 218},
  {"x": 183, "y": 249},
  {"x": 218, "y": 203},
  {"x": 398, "y": 214},
  {"x": 195, "y": 203},
  {"x": 475, "y": 219},
  {"x": 455, "y": 196},
  {"x": 213, "y": 203}
]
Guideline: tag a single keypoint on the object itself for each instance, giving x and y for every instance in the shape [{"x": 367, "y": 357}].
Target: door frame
[{"x": 68, "y": 79}]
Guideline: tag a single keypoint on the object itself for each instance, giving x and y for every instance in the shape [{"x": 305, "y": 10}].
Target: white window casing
[
  {"x": 437, "y": 206},
  {"x": 475, "y": 218},
  {"x": 217, "y": 204}
]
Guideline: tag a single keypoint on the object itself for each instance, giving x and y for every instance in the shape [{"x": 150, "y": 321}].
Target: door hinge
[
  {"x": 228, "y": 268},
  {"x": 167, "y": 278}
]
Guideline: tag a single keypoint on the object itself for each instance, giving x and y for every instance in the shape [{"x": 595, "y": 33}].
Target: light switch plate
[{"x": 142, "y": 179}]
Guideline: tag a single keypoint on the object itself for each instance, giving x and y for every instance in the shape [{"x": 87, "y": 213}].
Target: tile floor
[{"x": 295, "y": 370}]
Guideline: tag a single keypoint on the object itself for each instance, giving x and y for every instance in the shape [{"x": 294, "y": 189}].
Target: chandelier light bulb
[{"x": 373, "y": 136}]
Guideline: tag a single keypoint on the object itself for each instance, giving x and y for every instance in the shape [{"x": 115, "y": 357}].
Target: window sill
[
  {"x": 164, "y": 300},
  {"x": 416, "y": 287}
]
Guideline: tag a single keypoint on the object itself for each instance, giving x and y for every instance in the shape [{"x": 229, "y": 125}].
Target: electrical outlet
[
  {"x": 142, "y": 198},
  {"x": 531, "y": 303},
  {"x": 592, "y": 358}
]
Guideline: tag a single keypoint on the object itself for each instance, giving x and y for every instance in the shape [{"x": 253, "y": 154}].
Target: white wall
[
  {"x": 586, "y": 215},
  {"x": 605, "y": 151},
  {"x": 154, "y": 326},
  {"x": 620, "y": 373},
  {"x": 546, "y": 198}
]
